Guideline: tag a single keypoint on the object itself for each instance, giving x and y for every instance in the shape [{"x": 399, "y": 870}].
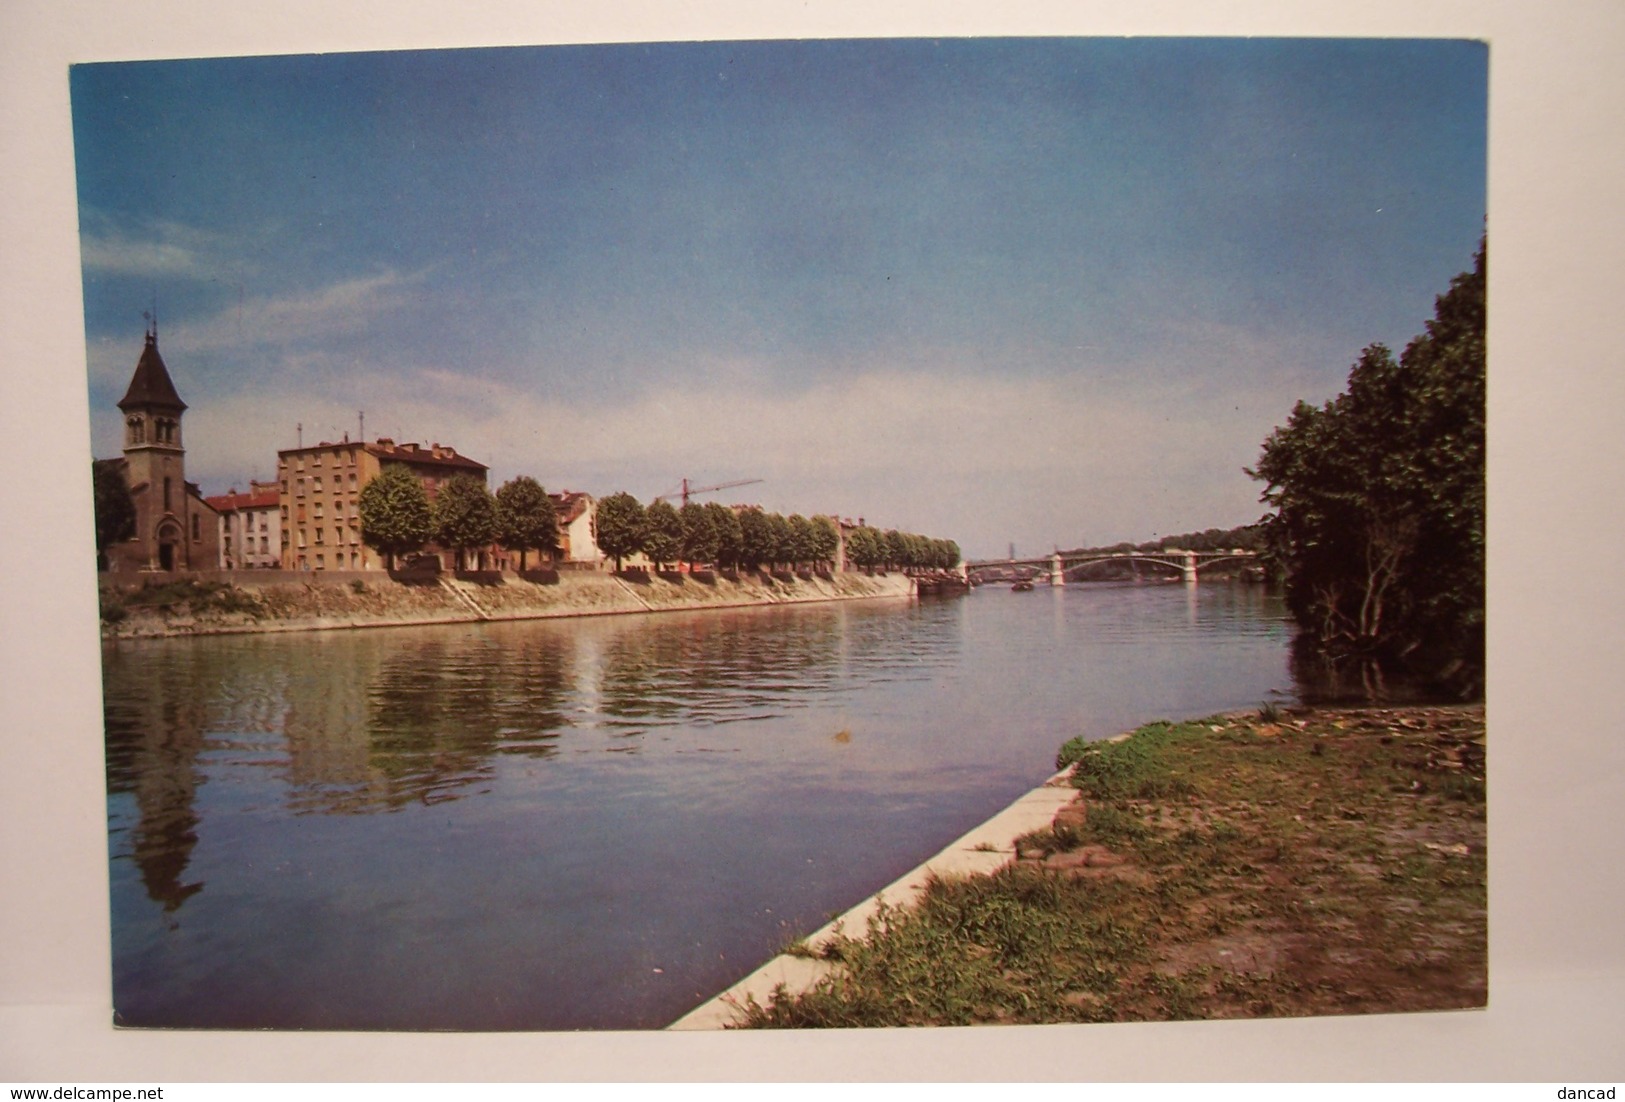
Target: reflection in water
[
  {"x": 592, "y": 824},
  {"x": 152, "y": 745}
]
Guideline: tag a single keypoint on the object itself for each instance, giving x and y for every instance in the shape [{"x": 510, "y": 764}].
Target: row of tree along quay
[
  {"x": 752, "y": 538},
  {"x": 398, "y": 519}
]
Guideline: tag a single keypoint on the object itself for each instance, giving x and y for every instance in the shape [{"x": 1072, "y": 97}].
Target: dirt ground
[{"x": 1347, "y": 873}]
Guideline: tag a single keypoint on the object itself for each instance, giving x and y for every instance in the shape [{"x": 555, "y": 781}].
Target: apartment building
[
  {"x": 250, "y": 527},
  {"x": 319, "y": 495}
]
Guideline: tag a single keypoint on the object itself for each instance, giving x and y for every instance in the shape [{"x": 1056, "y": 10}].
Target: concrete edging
[{"x": 984, "y": 849}]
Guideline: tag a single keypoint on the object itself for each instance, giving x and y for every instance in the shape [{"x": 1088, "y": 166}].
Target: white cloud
[
  {"x": 157, "y": 249},
  {"x": 344, "y": 308}
]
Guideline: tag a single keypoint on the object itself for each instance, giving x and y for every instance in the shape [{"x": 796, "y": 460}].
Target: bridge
[{"x": 1058, "y": 565}]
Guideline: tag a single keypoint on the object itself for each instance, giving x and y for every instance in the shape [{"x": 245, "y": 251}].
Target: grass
[{"x": 1229, "y": 867}]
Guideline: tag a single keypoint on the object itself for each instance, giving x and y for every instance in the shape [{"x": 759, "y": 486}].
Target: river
[{"x": 595, "y": 824}]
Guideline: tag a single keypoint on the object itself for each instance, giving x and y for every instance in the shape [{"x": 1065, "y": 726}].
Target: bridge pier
[
  {"x": 1188, "y": 567},
  {"x": 1056, "y": 575}
]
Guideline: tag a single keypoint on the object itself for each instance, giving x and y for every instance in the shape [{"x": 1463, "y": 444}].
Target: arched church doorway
[{"x": 168, "y": 540}]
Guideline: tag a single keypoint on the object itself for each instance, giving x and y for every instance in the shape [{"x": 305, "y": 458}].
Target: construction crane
[{"x": 688, "y": 490}]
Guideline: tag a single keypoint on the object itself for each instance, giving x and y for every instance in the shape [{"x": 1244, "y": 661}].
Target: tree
[
  {"x": 619, "y": 526},
  {"x": 115, "y": 508},
  {"x": 1379, "y": 497},
  {"x": 662, "y": 534},
  {"x": 395, "y": 514},
  {"x": 756, "y": 542},
  {"x": 826, "y": 539},
  {"x": 700, "y": 537},
  {"x": 895, "y": 553},
  {"x": 800, "y": 544},
  {"x": 465, "y": 515},
  {"x": 780, "y": 540},
  {"x": 526, "y": 518},
  {"x": 726, "y": 524},
  {"x": 865, "y": 547}
]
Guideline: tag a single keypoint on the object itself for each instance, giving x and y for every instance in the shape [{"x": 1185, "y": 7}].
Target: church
[{"x": 175, "y": 528}]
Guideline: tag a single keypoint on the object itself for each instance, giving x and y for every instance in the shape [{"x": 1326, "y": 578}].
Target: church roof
[{"x": 150, "y": 386}]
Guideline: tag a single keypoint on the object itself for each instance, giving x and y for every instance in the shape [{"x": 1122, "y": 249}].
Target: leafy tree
[
  {"x": 865, "y": 547},
  {"x": 619, "y": 526},
  {"x": 756, "y": 541},
  {"x": 662, "y": 534},
  {"x": 395, "y": 514},
  {"x": 826, "y": 539},
  {"x": 780, "y": 540},
  {"x": 1379, "y": 497},
  {"x": 800, "y": 543},
  {"x": 465, "y": 516},
  {"x": 526, "y": 518},
  {"x": 726, "y": 524},
  {"x": 115, "y": 508},
  {"x": 700, "y": 537},
  {"x": 895, "y": 554}
]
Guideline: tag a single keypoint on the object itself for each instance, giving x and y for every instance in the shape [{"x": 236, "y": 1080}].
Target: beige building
[
  {"x": 250, "y": 527},
  {"x": 319, "y": 495},
  {"x": 175, "y": 529}
]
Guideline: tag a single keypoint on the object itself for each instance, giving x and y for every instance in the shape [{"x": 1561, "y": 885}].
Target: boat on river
[{"x": 940, "y": 584}]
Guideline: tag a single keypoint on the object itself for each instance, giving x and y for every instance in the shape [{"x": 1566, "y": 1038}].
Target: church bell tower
[{"x": 155, "y": 459}]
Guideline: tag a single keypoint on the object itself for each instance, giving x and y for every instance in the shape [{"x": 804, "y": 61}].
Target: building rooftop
[
  {"x": 386, "y": 450},
  {"x": 226, "y": 503}
]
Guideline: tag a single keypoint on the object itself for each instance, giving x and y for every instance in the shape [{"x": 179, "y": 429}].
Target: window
[
  {"x": 316, "y": 460},
  {"x": 166, "y": 491},
  {"x": 138, "y": 431},
  {"x": 318, "y": 484},
  {"x": 318, "y": 537},
  {"x": 299, "y": 463},
  {"x": 321, "y": 561},
  {"x": 301, "y": 537},
  {"x": 197, "y": 528},
  {"x": 265, "y": 545}
]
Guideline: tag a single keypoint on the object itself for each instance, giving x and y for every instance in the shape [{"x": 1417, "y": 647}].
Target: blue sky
[{"x": 1040, "y": 291}]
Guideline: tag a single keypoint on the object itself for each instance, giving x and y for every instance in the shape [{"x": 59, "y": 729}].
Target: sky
[{"x": 1028, "y": 292}]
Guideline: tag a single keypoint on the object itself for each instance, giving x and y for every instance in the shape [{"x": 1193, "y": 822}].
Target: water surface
[{"x": 594, "y": 823}]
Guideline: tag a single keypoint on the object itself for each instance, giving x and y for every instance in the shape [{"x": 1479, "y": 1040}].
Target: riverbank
[
  {"x": 192, "y": 607},
  {"x": 1273, "y": 865}
]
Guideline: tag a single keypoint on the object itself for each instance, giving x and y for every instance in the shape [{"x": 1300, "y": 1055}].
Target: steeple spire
[{"x": 151, "y": 387}]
